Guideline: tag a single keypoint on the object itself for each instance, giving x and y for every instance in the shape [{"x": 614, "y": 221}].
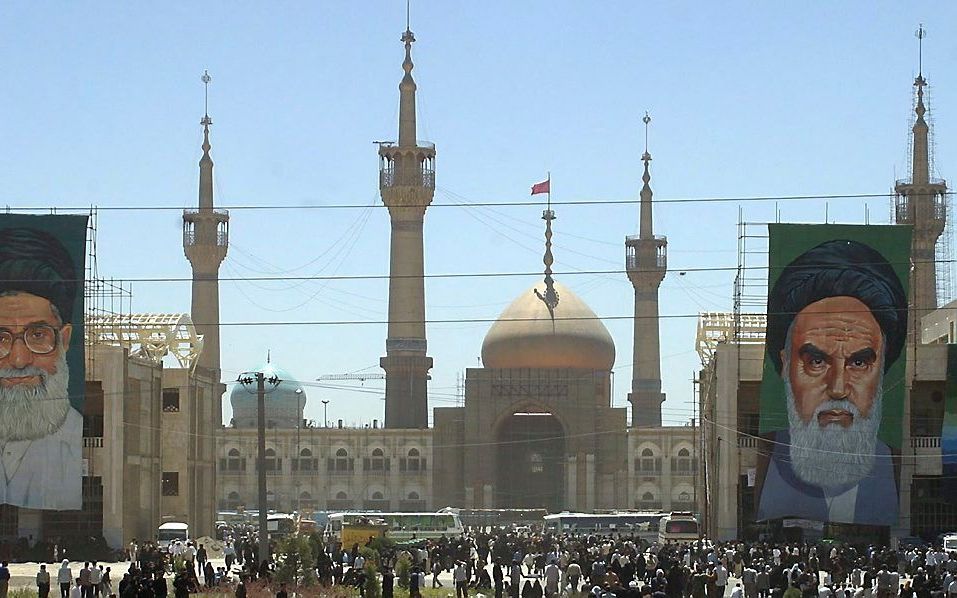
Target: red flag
[{"x": 542, "y": 187}]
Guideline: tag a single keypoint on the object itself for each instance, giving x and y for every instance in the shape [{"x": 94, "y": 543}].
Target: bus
[
  {"x": 950, "y": 543},
  {"x": 679, "y": 526},
  {"x": 401, "y": 526},
  {"x": 280, "y": 525},
  {"x": 641, "y": 524},
  {"x": 486, "y": 518}
]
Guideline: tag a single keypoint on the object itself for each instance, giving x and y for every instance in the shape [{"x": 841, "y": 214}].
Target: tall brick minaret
[
  {"x": 922, "y": 202},
  {"x": 205, "y": 240},
  {"x": 407, "y": 184},
  {"x": 646, "y": 261}
]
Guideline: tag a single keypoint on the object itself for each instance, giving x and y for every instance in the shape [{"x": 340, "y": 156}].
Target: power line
[{"x": 489, "y": 204}]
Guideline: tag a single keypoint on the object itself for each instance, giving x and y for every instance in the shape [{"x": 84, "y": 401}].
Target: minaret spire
[
  {"x": 407, "y": 185},
  {"x": 646, "y": 261},
  {"x": 205, "y": 240},
  {"x": 921, "y": 202},
  {"x": 645, "y": 225}
]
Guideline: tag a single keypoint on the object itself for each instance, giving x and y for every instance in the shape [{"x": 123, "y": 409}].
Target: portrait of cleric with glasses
[{"x": 40, "y": 430}]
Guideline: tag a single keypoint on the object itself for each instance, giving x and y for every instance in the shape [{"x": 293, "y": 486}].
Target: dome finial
[
  {"x": 647, "y": 120},
  {"x": 550, "y": 297},
  {"x": 268, "y": 355}
]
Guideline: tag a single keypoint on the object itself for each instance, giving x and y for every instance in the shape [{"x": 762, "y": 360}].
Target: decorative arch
[{"x": 528, "y": 406}]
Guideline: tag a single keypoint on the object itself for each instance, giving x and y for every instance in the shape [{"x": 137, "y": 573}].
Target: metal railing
[
  {"x": 420, "y": 177},
  {"x": 92, "y": 442},
  {"x": 925, "y": 442},
  {"x": 190, "y": 238}
]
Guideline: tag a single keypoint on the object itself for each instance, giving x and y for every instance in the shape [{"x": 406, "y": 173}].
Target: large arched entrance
[{"x": 531, "y": 461}]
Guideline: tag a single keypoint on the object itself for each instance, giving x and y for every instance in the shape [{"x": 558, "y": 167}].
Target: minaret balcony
[
  {"x": 205, "y": 227},
  {"x": 415, "y": 177},
  {"x": 908, "y": 200},
  {"x": 636, "y": 248}
]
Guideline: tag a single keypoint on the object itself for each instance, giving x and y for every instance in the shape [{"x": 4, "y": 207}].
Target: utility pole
[{"x": 261, "y": 380}]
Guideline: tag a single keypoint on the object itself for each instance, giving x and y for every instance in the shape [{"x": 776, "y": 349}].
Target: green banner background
[{"x": 786, "y": 242}]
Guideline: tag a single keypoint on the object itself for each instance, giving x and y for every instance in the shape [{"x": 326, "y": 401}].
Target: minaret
[
  {"x": 205, "y": 239},
  {"x": 921, "y": 202},
  {"x": 646, "y": 260},
  {"x": 407, "y": 183}
]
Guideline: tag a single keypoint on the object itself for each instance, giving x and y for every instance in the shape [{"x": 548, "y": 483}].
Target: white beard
[
  {"x": 31, "y": 412},
  {"x": 833, "y": 456}
]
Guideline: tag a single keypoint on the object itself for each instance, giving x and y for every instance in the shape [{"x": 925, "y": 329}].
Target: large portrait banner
[
  {"x": 832, "y": 389},
  {"x": 41, "y": 360}
]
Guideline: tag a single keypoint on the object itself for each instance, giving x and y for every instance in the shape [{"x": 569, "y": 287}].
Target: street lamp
[{"x": 325, "y": 413}]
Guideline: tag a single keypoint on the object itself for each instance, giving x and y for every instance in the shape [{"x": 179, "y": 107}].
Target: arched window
[
  {"x": 341, "y": 463},
  {"x": 305, "y": 462},
  {"x": 648, "y": 502},
  {"x": 342, "y": 496},
  {"x": 648, "y": 496},
  {"x": 272, "y": 462},
  {"x": 377, "y": 496},
  {"x": 305, "y": 496},
  {"x": 683, "y": 464},
  {"x": 648, "y": 464},
  {"x": 684, "y": 496},
  {"x": 413, "y": 462},
  {"x": 378, "y": 461},
  {"x": 413, "y": 496},
  {"x": 233, "y": 462},
  {"x": 233, "y": 496}
]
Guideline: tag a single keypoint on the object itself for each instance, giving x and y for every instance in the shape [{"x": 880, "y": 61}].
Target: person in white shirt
[
  {"x": 359, "y": 562},
  {"x": 737, "y": 591},
  {"x": 64, "y": 577}
]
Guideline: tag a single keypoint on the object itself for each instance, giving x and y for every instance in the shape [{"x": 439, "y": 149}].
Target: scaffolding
[{"x": 150, "y": 336}]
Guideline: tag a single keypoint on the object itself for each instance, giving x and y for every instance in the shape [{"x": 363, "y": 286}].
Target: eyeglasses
[{"x": 40, "y": 339}]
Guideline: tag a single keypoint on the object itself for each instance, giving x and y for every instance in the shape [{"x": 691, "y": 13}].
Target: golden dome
[{"x": 525, "y": 336}]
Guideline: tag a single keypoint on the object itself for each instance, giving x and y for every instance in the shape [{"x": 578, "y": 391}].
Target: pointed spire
[
  {"x": 645, "y": 224},
  {"x": 206, "y": 162},
  {"x": 550, "y": 296},
  {"x": 407, "y": 94},
  {"x": 920, "y": 165}
]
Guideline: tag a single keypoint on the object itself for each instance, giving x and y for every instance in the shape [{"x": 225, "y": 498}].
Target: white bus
[
  {"x": 641, "y": 524},
  {"x": 402, "y": 526},
  {"x": 950, "y": 543},
  {"x": 679, "y": 526}
]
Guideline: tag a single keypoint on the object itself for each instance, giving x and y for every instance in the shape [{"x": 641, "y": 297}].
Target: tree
[
  {"x": 295, "y": 561},
  {"x": 403, "y": 569}
]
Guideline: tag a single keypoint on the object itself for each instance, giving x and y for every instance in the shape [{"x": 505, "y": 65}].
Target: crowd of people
[{"x": 526, "y": 565}]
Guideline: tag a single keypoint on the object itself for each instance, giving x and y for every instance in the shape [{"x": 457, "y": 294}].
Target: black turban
[
  {"x": 838, "y": 268},
  {"x": 35, "y": 262}
]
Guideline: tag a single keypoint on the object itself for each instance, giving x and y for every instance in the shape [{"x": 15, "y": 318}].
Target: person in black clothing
[
  {"x": 282, "y": 591},
  {"x": 388, "y": 582},
  {"x": 241, "y": 588},
  {"x": 180, "y": 586},
  {"x": 160, "y": 590},
  {"x": 498, "y": 577}
]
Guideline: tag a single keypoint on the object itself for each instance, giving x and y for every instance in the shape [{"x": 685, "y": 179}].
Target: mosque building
[{"x": 537, "y": 428}]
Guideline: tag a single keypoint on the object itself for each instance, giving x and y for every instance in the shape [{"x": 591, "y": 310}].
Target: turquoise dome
[{"x": 284, "y": 401}]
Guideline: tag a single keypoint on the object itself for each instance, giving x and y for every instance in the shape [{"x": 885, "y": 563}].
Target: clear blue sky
[{"x": 101, "y": 104}]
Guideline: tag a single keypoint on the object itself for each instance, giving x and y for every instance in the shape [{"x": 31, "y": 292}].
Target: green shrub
[
  {"x": 372, "y": 584},
  {"x": 403, "y": 569},
  {"x": 295, "y": 561}
]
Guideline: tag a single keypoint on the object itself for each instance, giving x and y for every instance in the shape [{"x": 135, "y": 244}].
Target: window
[
  {"x": 377, "y": 496},
  {"x": 233, "y": 461},
  {"x": 648, "y": 502},
  {"x": 341, "y": 462},
  {"x": 93, "y": 411},
  {"x": 413, "y": 462},
  {"x": 378, "y": 461},
  {"x": 683, "y": 463},
  {"x": 233, "y": 501},
  {"x": 342, "y": 496},
  {"x": 305, "y": 461},
  {"x": 272, "y": 462},
  {"x": 170, "y": 400},
  {"x": 413, "y": 496},
  {"x": 684, "y": 496},
  {"x": 170, "y": 483},
  {"x": 648, "y": 463}
]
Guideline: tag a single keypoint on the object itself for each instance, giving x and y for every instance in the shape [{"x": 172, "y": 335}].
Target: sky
[{"x": 102, "y": 102}]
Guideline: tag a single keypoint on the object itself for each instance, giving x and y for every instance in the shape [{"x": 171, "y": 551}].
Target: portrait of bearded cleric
[
  {"x": 837, "y": 321},
  {"x": 40, "y": 430}
]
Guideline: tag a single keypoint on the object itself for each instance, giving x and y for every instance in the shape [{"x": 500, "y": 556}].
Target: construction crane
[{"x": 359, "y": 377}]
